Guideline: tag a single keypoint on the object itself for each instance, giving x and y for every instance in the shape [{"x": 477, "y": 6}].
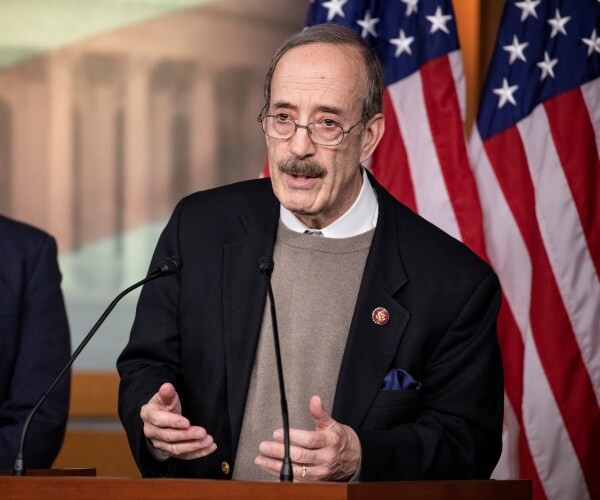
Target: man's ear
[{"x": 371, "y": 136}]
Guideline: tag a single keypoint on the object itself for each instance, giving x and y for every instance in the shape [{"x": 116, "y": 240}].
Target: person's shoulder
[
  {"x": 17, "y": 233},
  {"x": 426, "y": 241}
]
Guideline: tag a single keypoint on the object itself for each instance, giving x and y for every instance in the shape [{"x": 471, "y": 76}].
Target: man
[
  {"x": 34, "y": 345},
  {"x": 387, "y": 325}
]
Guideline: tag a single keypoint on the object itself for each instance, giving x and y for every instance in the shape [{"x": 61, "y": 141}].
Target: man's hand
[
  {"x": 169, "y": 432},
  {"x": 330, "y": 453}
]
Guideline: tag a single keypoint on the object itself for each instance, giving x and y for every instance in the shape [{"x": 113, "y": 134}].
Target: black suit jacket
[
  {"x": 199, "y": 330},
  {"x": 34, "y": 345}
]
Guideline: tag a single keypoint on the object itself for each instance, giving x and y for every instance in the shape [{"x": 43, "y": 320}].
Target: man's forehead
[{"x": 331, "y": 71}]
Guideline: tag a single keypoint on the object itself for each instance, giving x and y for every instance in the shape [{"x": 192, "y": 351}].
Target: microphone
[
  {"x": 265, "y": 264},
  {"x": 167, "y": 267}
]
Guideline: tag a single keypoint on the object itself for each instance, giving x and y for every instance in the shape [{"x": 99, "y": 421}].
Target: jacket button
[{"x": 225, "y": 467}]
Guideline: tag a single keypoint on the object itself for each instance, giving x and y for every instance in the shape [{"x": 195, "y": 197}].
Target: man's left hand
[{"x": 330, "y": 453}]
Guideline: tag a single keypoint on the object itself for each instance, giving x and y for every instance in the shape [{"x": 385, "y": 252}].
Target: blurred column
[
  {"x": 204, "y": 128},
  {"x": 59, "y": 131},
  {"x": 137, "y": 120}
]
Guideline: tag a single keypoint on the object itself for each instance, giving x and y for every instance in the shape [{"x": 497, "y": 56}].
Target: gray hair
[{"x": 338, "y": 35}]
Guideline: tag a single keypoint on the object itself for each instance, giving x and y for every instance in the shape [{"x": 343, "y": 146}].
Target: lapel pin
[{"x": 380, "y": 316}]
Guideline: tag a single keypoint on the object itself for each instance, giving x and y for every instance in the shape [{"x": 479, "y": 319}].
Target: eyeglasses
[{"x": 324, "y": 133}]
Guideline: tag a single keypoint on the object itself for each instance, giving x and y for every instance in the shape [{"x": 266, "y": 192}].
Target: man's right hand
[{"x": 170, "y": 433}]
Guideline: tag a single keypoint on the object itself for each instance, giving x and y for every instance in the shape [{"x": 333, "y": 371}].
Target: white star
[
  {"x": 593, "y": 42},
  {"x": 411, "y": 6},
  {"x": 546, "y": 66},
  {"x": 506, "y": 93},
  {"x": 368, "y": 25},
  {"x": 558, "y": 24},
  {"x": 528, "y": 8},
  {"x": 516, "y": 50},
  {"x": 334, "y": 8},
  {"x": 402, "y": 43},
  {"x": 438, "y": 21}
]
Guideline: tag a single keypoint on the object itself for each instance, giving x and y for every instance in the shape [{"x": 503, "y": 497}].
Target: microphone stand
[
  {"x": 265, "y": 264},
  {"x": 169, "y": 266}
]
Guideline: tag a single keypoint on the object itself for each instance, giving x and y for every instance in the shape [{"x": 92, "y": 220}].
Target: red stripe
[
  {"x": 552, "y": 332},
  {"x": 580, "y": 162},
  {"x": 390, "y": 162},
  {"x": 443, "y": 110}
]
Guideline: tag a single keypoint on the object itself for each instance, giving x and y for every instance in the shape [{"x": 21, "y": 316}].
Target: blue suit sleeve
[{"x": 40, "y": 349}]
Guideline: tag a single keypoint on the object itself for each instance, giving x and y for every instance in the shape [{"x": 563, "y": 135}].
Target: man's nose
[{"x": 301, "y": 144}]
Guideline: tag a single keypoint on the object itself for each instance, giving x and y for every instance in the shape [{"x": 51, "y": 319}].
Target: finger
[
  {"x": 268, "y": 464},
  {"x": 171, "y": 435},
  {"x": 298, "y": 454},
  {"x": 167, "y": 396},
  {"x": 186, "y": 449},
  {"x": 322, "y": 419},
  {"x": 305, "y": 439},
  {"x": 150, "y": 414},
  {"x": 199, "y": 454}
]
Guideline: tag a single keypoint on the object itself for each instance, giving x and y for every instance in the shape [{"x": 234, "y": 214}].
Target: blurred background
[{"x": 110, "y": 112}]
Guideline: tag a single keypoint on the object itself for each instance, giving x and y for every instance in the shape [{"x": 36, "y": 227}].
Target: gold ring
[{"x": 304, "y": 469}]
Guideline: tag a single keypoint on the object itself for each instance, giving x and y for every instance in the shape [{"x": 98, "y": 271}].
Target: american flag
[{"x": 535, "y": 157}]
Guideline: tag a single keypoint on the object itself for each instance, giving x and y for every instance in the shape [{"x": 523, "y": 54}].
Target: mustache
[{"x": 302, "y": 168}]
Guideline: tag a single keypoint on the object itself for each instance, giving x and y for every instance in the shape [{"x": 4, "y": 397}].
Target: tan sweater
[{"x": 315, "y": 284}]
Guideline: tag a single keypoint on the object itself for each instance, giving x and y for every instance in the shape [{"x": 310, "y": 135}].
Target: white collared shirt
[{"x": 359, "y": 218}]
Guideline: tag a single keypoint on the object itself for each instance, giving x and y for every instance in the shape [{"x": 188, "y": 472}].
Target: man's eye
[
  {"x": 282, "y": 117},
  {"x": 328, "y": 123}
]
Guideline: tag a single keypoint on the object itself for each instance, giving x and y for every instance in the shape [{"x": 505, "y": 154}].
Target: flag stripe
[
  {"x": 581, "y": 164},
  {"x": 546, "y": 433},
  {"x": 567, "y": 250},
  {"x": 549, "y": 321},
  {"x": 444, "y": 116},
  {"x": 390, "y": 163},
  {"x": 458, "y": 76},
  {"x": 432, "y": 199},
  {"x": 591, "y": 96}
]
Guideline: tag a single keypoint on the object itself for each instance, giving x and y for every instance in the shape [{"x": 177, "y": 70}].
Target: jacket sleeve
[
  {"x": 43, "y": 350},
  {"x": 152, "y": 355}
]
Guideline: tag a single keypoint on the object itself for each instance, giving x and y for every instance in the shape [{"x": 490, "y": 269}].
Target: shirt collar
[{"x": 359, "y": 218}]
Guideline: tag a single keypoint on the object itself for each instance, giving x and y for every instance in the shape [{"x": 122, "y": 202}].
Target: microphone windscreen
[
  {"x": 266, "y": 264},
  {"x": 170, "y": 265}
]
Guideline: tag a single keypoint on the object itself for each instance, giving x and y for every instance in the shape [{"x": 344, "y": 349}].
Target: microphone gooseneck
[
  {"x": 265, "y": 265},
  {"x": 169, "y": 266}
]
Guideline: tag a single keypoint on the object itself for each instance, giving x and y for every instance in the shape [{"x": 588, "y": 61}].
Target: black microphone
[
  {"x": 265, "y": 264},
  {"x": 169, "y": 266}
]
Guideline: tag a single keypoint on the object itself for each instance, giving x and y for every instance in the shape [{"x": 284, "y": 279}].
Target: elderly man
[{"x": 387, "y": 325}]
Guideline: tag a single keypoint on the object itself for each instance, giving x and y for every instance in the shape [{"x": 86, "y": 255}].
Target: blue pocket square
[{"x": 399, "y": 380}]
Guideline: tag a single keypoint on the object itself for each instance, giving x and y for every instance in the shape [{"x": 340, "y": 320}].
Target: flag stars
[
  {"x": 528, "y": 8},
  {"x": 593, "y": 42},
  {"x": 368, "y": 25},
  {"x": 438, "y": 21},
  {"x": 334, "y": 8},
  {"x": 402, "y": 43},
  {"x": 558, "y": 24},
  {"x": 506, "y": 93},
  {"x": 516, "y": 50},
  {"x": 412, "y": 6},
  {"x": 547, "y": 66}
]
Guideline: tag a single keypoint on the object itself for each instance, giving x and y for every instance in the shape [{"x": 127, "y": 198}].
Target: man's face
[{"x": 312, "y": 83}]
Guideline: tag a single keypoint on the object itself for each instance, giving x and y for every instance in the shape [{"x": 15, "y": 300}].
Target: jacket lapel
[
  {"x": 244, "y": 294},
  {"x": 371, "y": 347}
]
